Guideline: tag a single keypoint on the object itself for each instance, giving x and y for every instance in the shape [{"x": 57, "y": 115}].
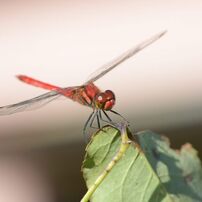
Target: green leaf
[
  {"x": 152, "y": 172},
  {"x": 179, "y": 171}
]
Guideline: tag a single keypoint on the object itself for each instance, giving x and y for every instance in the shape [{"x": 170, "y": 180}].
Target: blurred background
[{"x": 63, "y": 42}]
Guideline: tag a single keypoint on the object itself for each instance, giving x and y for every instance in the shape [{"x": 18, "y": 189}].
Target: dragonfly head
[{"x": 105, "y": 100}]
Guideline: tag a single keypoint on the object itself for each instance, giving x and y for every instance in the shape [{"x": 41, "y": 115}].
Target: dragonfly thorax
[{"x": 105, "y": 100}]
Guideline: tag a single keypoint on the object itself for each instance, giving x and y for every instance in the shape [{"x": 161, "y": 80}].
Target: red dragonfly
[{"x": 87, "y": 94}]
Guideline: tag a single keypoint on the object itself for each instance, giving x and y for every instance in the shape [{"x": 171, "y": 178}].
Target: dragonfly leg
[
  {"x": 92, "y": 120},
  {"x": 86, "y": 124},
  {"x": 102, "y": 119},
  {"x": 95, "y": 114},
  {"x": 100, "y": 116},
  {"x": 109, "y": 119},
  {"x": 98, "y": 119},
  {"x": 119, "y": 115}
]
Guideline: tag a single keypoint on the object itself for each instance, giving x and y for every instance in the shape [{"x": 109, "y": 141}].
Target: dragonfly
[{"x": 87, "y": 94}]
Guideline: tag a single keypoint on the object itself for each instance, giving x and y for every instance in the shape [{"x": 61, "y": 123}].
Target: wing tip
[{"x": 162, "y": 33}]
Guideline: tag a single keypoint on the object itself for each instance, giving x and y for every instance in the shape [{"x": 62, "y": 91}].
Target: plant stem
[{"x": 125, "y": 142}]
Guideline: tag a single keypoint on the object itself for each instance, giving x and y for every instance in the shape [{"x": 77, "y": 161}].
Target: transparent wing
[
  {"x": 112, "y": 64},
  {"x": 30, "y": 104}
]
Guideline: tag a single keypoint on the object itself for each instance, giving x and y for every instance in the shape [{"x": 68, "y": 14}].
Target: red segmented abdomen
[
  {"x": 37, "y": 83},
  {"x": 66, "y": 92}
]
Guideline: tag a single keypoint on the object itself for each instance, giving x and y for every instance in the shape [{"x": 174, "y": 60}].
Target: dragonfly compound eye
[
  {"x": 105, "y": 100},
  {"x": 110, "y": 100},
  {"x": 100, "y": 100},
  {"x": 109, "y": 95}
]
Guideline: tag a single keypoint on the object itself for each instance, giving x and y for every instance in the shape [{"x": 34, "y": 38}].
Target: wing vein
[{"x": 126, "y": 55}]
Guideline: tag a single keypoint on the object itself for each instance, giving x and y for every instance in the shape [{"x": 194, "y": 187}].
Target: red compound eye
[
  {"x": 105, "y": 100},
  {"x": 101, "y": 98},
  {"x": 109, "y": 95}
]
